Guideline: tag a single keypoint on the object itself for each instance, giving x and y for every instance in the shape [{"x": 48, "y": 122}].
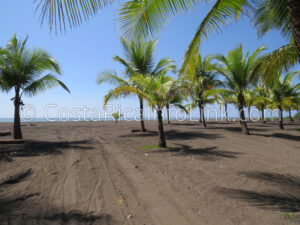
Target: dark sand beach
[{"x": 96, "y": 173}]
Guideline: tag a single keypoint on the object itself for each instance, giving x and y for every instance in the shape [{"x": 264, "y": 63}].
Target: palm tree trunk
[
  {"x": 168, "y": 113},
  {"x": 280, "y": 118},
  {"x": 294, "y": 10},
  {"x": 290, "y": 115},
  {"x": 161, "y": 133},
  {"x": 249, "y": 112},
  {"x": 200, "y": 111},
  {"x": 142, "y": 114},
  {"x": 17, "y": 121},
  {"x": 203, "y": 116},
  {"x": 263, "y": 115},
  {"x": 243, "y": 122},
  {"x": 226, "y": 112}
]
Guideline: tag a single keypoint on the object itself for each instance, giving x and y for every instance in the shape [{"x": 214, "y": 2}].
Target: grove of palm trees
[{"x": 135, "y": 136}]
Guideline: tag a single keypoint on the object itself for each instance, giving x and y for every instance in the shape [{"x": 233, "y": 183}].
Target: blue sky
[{"x": 85, "y": 51}]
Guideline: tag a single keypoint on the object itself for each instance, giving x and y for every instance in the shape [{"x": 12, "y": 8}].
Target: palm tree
[
  {"x": 225, "y": 97},
  {"x": 174, "y": 97},
  {"x": 201, "y": 78},
  {"x": 207, "y": 97},
  {"x": 156, "y": 91},
  {"x": 139, "y": 60},
  {"x": 261, "y": 99},
  {"x": 283, "y": 92},
  {"x": 241, "y": 73},
  {"x": 296, "y": 106},
  {"x": 21, "y": 71}
]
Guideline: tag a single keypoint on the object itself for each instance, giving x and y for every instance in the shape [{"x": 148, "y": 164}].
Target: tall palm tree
[
  {"x": 261, "y": 99},
  {"x": 174, "y": 97},
  {"x": 21, "y": 70},
  {"x": 139, "y": 59},
  {"x": 225, "y": 97},
  {"x": 241, "y": 73},
  {"x": 283, "y": 92},
  {"x": 207, "y": 97},
  {"x": 155, "y": 90},
  {"x": 201, "y": 78},
  {"x": 249, "y": 101}
]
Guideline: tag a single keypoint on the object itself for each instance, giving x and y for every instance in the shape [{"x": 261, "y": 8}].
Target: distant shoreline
[{"x": 43, "y": 120}]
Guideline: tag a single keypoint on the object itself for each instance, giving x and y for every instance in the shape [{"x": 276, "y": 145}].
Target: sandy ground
[{"x": 96, "y": 173}]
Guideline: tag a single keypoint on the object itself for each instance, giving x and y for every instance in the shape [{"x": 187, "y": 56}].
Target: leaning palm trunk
[
  {"x": 161, "y": 133},
  {"x": 142, "y": 114},
  {"x": 290, "y": 115},
  {"x": 280, "y": 118},
  {"x": 17, "y": 121},
  {"x": 294, "y": 10},
  {"x": 243, "y": 122},
  {"x": 168, "y": 113}
]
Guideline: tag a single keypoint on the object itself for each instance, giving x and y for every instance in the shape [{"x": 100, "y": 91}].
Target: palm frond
[
  {"x": 272, "y": 14},
  {"x": 222, "y": 13},
  {"x": 146, "y": 17},
  {"x": 42, "y": 84},
  {"x": 62, "y": 13},
  {"x": 111, "y": 78},
  {"x": 280, "y": 60}
]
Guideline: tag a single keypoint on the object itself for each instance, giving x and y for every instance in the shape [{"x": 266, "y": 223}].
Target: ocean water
[{"x": 10, "y": 120}]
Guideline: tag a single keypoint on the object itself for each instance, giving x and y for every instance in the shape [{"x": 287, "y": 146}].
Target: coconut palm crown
[
  {"x": 139, "y": 59},
  {"x": 21, "y": 70},
  {"x": 201, "y": 78},
  {"x": 283, "y": 93},
  {"x": 241, "y": 73}
]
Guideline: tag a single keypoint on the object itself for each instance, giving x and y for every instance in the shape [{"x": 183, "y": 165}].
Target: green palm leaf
[
  {"x": 144, "y": 17},
  {"x": 61, "y": 13},
  {"x": 278, "y": 61},
  {"x": 221, "y": 14},
  {"x": 272, "y": 14},
  {"x": 42, "y": 84}
]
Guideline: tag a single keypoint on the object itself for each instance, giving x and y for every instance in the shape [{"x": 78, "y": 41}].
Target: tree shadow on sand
[
  {"x": 184, "y": 135},
  {"x": 77, "y": 216},
  {"x": 16, "y": 178},
  {"x": 31, "y": 215},
  {"x": 236, "y": 129},
  {"x": 175, "y": 134},
  {"x": 41, "y": 148},
  {"x": 208, "y": 154},
  {"x": 286, "y": 200},
  {"x": 281, "y": 136},
  {"x": 24, "y": 209},
  {"x": 9, "y": 204},
  {"x": 184, "y": 124},
  {"x": 148, "y": 133}
]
